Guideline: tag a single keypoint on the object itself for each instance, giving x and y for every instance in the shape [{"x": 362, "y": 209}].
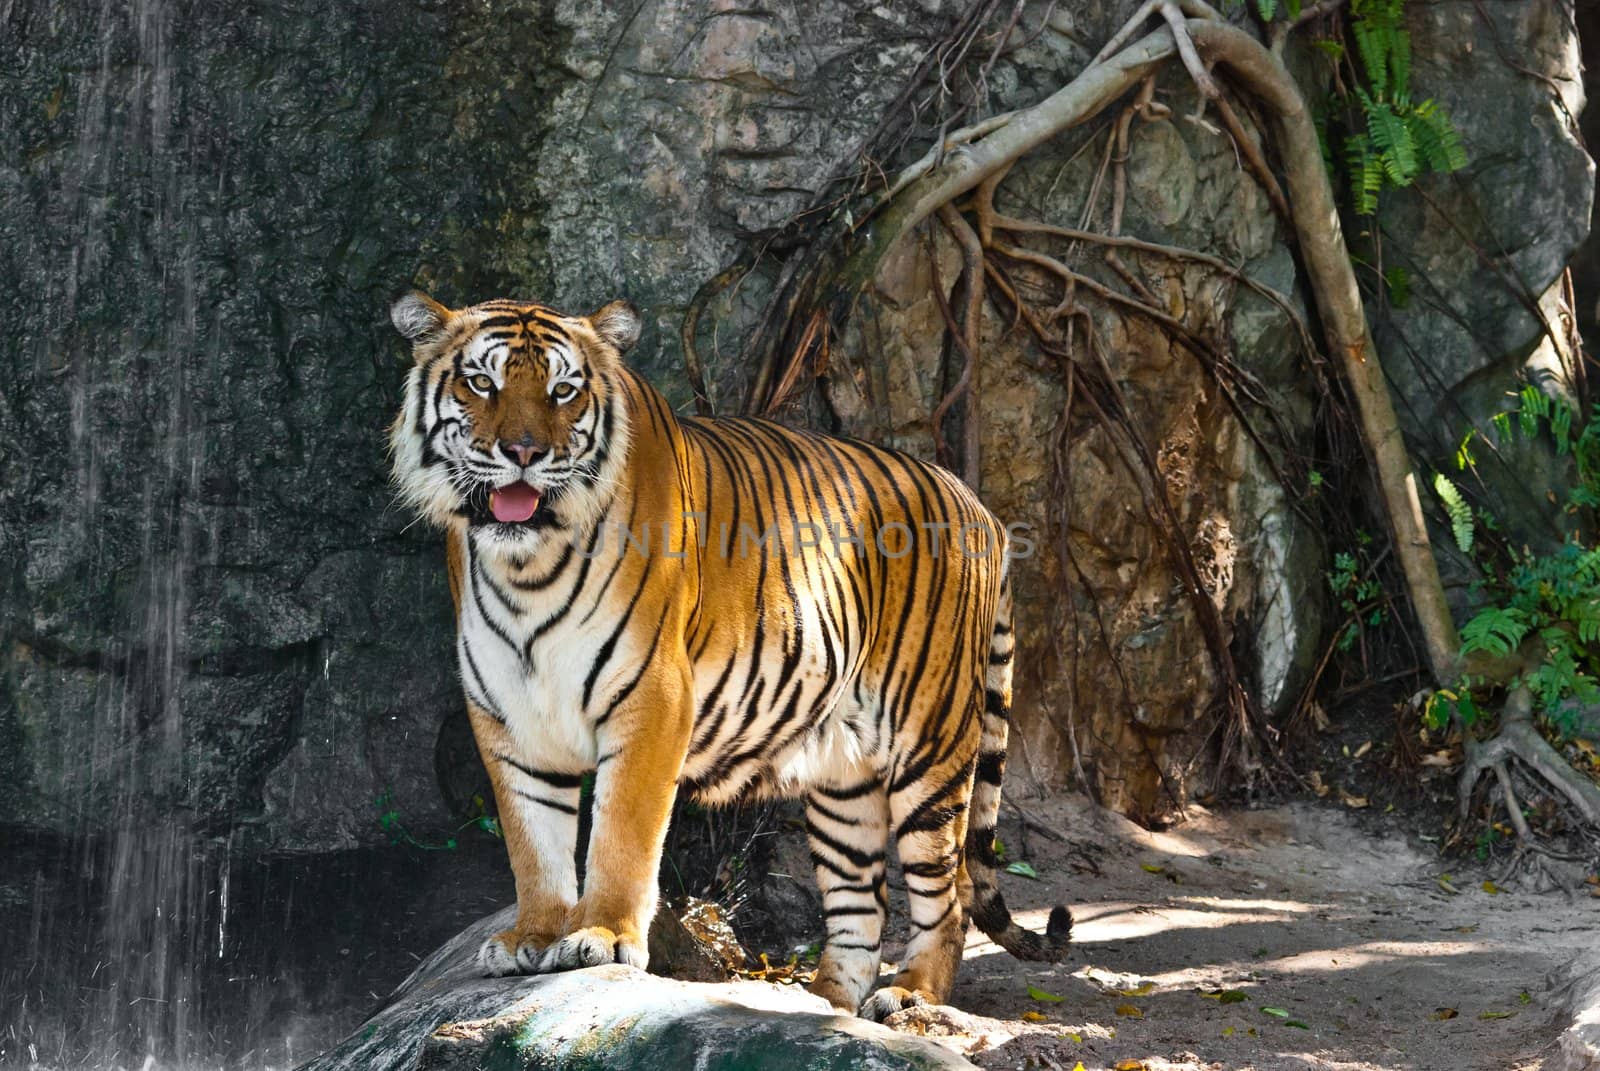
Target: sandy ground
[{"x": 1337, "y": 923}]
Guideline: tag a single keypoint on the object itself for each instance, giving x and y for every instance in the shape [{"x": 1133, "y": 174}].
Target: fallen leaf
[
  {"x": 1227, "y": 1031},
  {"x": 1021, "y": 869},
  {"x": 1523, "y": 997},
  {"x": 1226, "y": 996},
  {"x": 1495, "y": 1015},
  {"x": 1038, "y": 994},
  {"x": 1362, "y": 750},
  {"x": 1128, "y": 1011},
  {"x": 1279, "y": 1012},
  {"x": 1252, "y": 1032},
  {"x": 1441, "y": 1014},
  {"x": 1348, "y": 800},
  {"x": 1143, "y": 989},
  {"x": 1438, "y": 758},
  {"x": 1467, "y": 929},
  {"x": 1078, "y": 1066},
  {"x": 1130, "y": 1065},
  {"x": 1031, "y": 1016},
  {"x": 1296, "y": 1023},
  {"x": 1317, "y": 784},
  {"x": 1491, "y": 888},
  {"x": 1151, "y": 868},
  {"x": 1444, "y": 883},
  {"x": 1076, "y": 1039}
]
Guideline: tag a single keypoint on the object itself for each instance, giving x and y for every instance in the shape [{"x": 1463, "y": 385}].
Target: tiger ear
[
  {"x": 617, "y": 323},
  {"x": 417, "y": 316}
]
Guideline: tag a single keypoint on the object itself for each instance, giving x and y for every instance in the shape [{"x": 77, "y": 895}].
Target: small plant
[
  {"x": 1386, "y": 140},
  {"x": 1360, "y": 595},
  {"x": 1551, "y": 598},
  {"x": 390, "y": 822}
]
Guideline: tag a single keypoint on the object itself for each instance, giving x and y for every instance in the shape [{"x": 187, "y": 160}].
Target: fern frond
[
  {"x": 1495, "y": 629},
  {"x": 1391, "y": 137},
  {"x": 1438, "y": 141},
  {"x": 1461, "y": 526},
  {"x": 1372, "y": 45},
  {"x": 1400, "y": 65},
  {"x": 1366, "y": 173},
  {"x": 1399, "y": 282},
  {"x": 1267, "y": 8}
]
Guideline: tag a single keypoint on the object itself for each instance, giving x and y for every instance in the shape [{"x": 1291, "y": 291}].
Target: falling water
[{"x": 154, "y": 149}]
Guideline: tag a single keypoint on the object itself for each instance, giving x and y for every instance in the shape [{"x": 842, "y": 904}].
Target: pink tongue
[{"x": 513, "y": 504}]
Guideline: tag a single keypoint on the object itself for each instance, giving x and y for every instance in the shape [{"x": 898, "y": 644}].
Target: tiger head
[{"x": 513, "y": 420}]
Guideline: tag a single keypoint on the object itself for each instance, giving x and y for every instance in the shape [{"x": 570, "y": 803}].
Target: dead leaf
[
  {"x": 1143, "y": 989},
  {"x": 1151, "y": 868},
  {"x": 1317, "y": 784},
  {"x": 1348, "y": 800},
  {"x": 1130, "y": 1065},
  {"x": 1491, "y": 888},
  {"x": 1362, "y": 750},
  {"x": 1078, "y": 1066},
  {"x": 1227, "y": 1031},
  {"x": 1439, "y": 758},
  {"x": 1441, "y": 1014},
  {"x": 1495, "y": 1015},
  {"x": 1031, "y": 1016},
  {"x": 1319, "y": 717},
  {"x": 1128, "y": 1011},
  {"x": 1444, "y": 883}
]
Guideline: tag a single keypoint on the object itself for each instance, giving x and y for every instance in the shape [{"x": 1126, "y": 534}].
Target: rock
[
  {"x": 445, "y": 1016},
  {"x": 1579, "y": 1046},
  {"x": 1484, "y": 248}
]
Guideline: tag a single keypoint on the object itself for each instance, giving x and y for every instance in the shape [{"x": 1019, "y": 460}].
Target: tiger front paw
[
  {"x": 592, "y": 946},
  {"x": 890, "y": 999},
  {"x": 510, "y": 952}
]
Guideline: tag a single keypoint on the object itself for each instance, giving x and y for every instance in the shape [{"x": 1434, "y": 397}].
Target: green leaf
[
  {"x": 1460, "y": 513},
  {"x": 1497, "y": 630},
  {"x": 1279, "y": 1012},
  {"x": 1022, "y": 869},
  {"x": 1267, "y": 8},
  {"x": 1399, "y": 282},
  {"x": 1038, "y": 994}
]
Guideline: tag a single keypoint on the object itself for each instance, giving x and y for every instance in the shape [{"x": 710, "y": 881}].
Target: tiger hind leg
[
  {"x": 848, "y": 827},
  {"x": 930, "y": 816}
]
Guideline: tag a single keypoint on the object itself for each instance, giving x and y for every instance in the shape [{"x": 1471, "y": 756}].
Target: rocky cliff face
[{"x": 211, "y": 608}]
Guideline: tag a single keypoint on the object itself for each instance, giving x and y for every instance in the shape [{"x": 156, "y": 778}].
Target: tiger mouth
[{"x": 514, "y": 505}]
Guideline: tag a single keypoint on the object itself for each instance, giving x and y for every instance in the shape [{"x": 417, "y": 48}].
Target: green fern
[
  {"x": 1398, "y": 141},
  {"x": 1438, "y": 142},
  {"x": 1495, "y": 630},
  {"x": 1553, "y": 594},
  {"x": 1461, "y": 525},
  {"x": 1398, "y": 280}
]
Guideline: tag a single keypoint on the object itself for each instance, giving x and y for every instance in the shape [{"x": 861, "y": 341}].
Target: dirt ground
[{"x": 1300, "y": 936}]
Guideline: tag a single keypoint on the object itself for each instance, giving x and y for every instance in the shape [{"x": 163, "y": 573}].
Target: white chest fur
[{"x": 527, "y": 660}]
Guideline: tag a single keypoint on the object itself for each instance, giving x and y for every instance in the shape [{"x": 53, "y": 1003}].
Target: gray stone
[{"x": 446, "y": 1016}]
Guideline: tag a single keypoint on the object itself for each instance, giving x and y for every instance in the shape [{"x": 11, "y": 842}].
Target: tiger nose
[{"x": 523, "y": 453}]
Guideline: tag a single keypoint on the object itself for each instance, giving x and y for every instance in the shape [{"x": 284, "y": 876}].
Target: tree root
[{"x": 1518, "y": 738}]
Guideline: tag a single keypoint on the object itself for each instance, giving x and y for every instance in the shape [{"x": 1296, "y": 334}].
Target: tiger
[{"x": 632, "y": 603}]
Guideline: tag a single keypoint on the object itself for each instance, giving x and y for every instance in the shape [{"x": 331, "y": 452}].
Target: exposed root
[{"x": 1518, "y": 738}]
